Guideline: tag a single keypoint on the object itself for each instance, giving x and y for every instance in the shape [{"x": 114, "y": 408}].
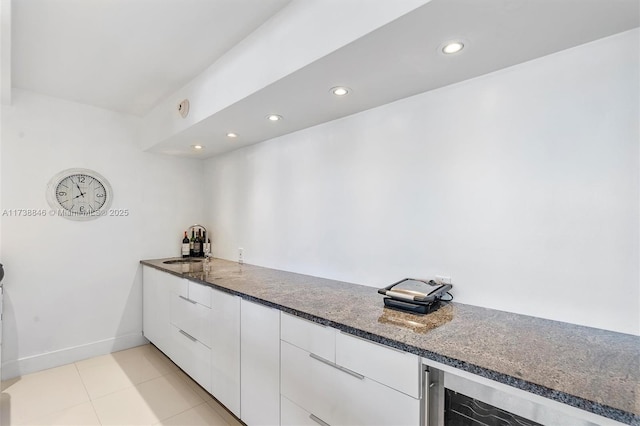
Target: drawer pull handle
[
  {"x": 187, "y": 335},
  {"x": 318, "y": 420},
  {"x": 187, "y": 299},
  {"x": 336, "y": 366}
]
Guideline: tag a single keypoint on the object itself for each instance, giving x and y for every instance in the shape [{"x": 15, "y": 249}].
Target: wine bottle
[
  {"x": 192, "y": 242},
  {"x": 197, "y": 245},
  {"x": 185, "y": 245},
  {"x": 206, "y": 244}
]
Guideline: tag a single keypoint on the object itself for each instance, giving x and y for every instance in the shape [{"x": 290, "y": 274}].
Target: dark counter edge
[{"x": 562, "y": 397}]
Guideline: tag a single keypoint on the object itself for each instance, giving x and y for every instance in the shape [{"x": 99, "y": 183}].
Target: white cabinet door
[
  {"x": 191, "y": 317},
  {"x": 368, "y": 403},
  {"x": 294, "y": 415},
  {"x": 225, "y": 349},
  {"x": 338, "y": 396},
  {"x": 307, "y": 335},
  {"x": 191, "y": 330},
  {"x": 156, "y": 290},
  {"x": 192, "y": 356},
  {"x": 397, "y": 369},
  {"x": 259, "y": 364},
  {"x": 309, "y": 383}
]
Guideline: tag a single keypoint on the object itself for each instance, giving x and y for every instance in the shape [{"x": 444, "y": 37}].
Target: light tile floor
[{"x": 138, "y": 386}]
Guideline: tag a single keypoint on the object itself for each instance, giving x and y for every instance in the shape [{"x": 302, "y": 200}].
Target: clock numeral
[
  {"x": 81, "y": 209},
  {"x": 99, "y": 195},
  {"x": 62, "y": 193},
  {"x": 81, "y": 179}
]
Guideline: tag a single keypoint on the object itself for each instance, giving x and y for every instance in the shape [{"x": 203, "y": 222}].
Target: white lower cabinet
[
  {"x": 330, "y": 393},
  {"x": 337, "y": 396},
  {"x": 272, "y": 368},
  {"x": 259, "y": 364},
  {"x": 176, "y": 318},
  {"x": 190, "y": 318},
  {"x": 156, "y": 289},
  {"x": 397, "y": 369},
  {"x": 363, "y": 401},
  {"x": 192, "y": 356},
  {"x": 225, "y": 350},
  {"x": 292, "y": 414}
]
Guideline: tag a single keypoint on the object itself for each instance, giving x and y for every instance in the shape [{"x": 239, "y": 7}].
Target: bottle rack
[{"x": 200, "y": 243}]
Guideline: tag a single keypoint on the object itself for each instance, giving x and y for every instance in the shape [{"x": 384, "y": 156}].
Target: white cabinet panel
[
  {"x": 190, "y": 333},
  {"x": 259, "y": 364},
  {"x": 177, "y": 326},
  {"x": 368, "y": 403},
  {"x": 191, "y": 317},
  {"x": 294, "y": 415},
  {"x": 338, "y": 397},
  {"x": 309, "y": 383},
  {"x": 311, "y": 337},
  {"x": 200, "y": 293},
  {"x": 155, "y": 308},
  {"x": 156, "y": 290},
  {"x": 225, "y": 350},
  {"x": 400, "y": 370},
  {"x": 193, "y": 357}
]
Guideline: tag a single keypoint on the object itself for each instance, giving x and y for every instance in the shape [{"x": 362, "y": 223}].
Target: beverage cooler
[{"x": 455, "y": 400}]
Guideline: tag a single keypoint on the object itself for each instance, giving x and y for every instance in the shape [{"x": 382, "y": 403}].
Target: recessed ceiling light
[
  {"x": 274, "y": 117},
  {"x": 198, "y": 147},
  {"x": 340, "y": 91},
  {"x": 452, "y": 47},
  {"x": 232, "y": 135}
]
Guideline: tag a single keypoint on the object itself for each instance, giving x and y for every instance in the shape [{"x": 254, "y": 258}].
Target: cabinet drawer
[
  {"x": 191, "y": 317},
  {"x": 399, "y": 370},
  {"x": 294, "y": 415},
  {"x": 195, "y": 292},
  {"x": 368, "y": 403},
  {"x": 340, "y": 398},
  {"x": 200, "y": 293},
  {"x": 311, "y": 337},
  {"x": 307, "y": 382},
  {"x": 193, "y": 357},
  {"x": 181, "y": 287}
]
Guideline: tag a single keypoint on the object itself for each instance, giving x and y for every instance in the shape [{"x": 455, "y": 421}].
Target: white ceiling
[
  {"x": 127, "y": 55},
  {"x": 403, "y": 58}
]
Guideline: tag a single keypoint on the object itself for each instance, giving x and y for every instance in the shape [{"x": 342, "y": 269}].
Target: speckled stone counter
[{"x": 592, "y": 369}]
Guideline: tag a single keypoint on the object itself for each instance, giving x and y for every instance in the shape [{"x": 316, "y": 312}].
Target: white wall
[
  {"x": 523, "y": 185},
  {"x": 73, "y": 289}
]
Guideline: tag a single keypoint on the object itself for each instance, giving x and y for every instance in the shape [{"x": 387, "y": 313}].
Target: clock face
[{"x": 79, "y": 194}]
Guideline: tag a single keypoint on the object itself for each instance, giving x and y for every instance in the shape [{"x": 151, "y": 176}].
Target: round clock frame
[{"x": 79, "y": 194}]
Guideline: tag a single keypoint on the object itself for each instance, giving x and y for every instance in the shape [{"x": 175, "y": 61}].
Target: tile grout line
[
  {"x": 132, "y": 385},
  {"x": 75, "y": 364}
]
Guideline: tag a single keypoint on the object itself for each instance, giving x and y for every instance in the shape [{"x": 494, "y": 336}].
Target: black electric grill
[{"x": 413, "y": 295}]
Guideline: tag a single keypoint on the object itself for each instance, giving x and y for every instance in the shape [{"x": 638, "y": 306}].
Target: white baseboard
[{"x": 34, "y": 363}]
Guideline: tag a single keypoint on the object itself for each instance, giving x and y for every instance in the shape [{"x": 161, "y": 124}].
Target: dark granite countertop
[{"x": 592, "y": 369}]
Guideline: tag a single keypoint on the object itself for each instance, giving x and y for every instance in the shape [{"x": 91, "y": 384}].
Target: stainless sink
[{"x": 182, "y": 261}]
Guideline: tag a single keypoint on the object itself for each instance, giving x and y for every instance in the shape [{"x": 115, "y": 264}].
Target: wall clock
[{"x": 79, "y": 194}]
